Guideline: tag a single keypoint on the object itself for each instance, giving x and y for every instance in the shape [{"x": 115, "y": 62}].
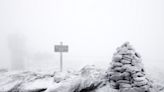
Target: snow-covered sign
[{"x": 61, "y": 48}]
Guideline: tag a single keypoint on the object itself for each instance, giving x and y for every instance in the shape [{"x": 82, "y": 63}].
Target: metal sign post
[{"x": 61, "y": 48}]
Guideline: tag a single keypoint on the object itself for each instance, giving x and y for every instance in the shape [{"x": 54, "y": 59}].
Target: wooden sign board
[{"x": 61, "y": 48}]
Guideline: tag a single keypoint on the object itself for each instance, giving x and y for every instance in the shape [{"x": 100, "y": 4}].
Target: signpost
[{"x": 61, "y": 48}]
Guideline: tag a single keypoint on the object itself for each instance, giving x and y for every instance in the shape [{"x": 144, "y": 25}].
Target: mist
[
  {"x": 17, "y": 48},
  {"x": 92, "y": 29}
]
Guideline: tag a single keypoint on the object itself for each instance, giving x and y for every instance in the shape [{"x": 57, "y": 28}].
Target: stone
[
  {"x": 133, "y": 69},
  {"x": 123, "y": 81},
  {"x": 117, "y": 64},
  {"x": 119, "y": 69},
  {"x": 137, "y": 59},
  {"x": 126, "y": 44},
  {"x": 153, "y": 90},
  {"x": 138, "y": 75},
  {"x": 130, "y": 52},
  {"x": 126, "y": 66},
  {"x": 127, "y": 90},
  {"x": 136, "y": 63},
  {"x": 123, "y": 51},
  {"x": 125, "y": 61},
  {"x": 138, "y": 89},
  {"x": 140, "y": 83},
  {"x": 127, "y": 78},
  {"x": 128, "y": 56},
  {"x": 145, "y": 87},
  {"x": 124, "y": 85},
  {"x": 128, "y": 59},
  {"x": 116, "y": 76},
  {"x": 112, "y": 83},
  {"x": 126, "y": 74},
  {"x": 117, "y": 57},
  {"x": 138, "y": 55}
]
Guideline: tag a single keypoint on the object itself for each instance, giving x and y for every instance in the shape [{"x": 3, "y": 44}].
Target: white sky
[{"x": 93, "y": 29}]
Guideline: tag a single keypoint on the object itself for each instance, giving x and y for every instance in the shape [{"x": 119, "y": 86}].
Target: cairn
[{"x": 127, "y": 73}]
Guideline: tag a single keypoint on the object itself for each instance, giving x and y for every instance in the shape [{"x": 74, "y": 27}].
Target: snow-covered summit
[{"x": 125, "y": 74}]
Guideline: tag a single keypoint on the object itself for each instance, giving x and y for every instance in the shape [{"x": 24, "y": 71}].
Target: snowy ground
[{"x": 87, "y": 79}]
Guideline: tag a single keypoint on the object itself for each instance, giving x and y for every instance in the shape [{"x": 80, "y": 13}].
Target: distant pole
[{"x": 61, "y": 58}]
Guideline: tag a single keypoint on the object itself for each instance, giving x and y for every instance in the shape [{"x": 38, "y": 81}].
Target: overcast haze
[{"x": 93, "y": 29}]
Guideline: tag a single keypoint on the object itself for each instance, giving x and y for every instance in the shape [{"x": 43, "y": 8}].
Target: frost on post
[{"x": 127, "y": 73}]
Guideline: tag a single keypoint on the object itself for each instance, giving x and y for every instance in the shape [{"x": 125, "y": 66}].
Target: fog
[{"x": 92, "y": 29}]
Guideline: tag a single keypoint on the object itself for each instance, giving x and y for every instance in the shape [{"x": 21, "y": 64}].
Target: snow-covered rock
[
  {"x": 24, "y": 81},
  {"x": 90, "y": 78}
]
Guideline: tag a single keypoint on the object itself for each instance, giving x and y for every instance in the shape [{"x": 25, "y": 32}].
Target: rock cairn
[{"x": 127, "y": 73}]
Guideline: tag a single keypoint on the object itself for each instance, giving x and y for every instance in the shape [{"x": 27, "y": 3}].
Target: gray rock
[
  {"x": 117, "y": 64},
  {"x": 116, "y": 76},
  {"x": 128, "y": 56},
  {"x": 139, "y": 89},
  {"x": 140, "y": 83},
  {"x": 127, "y": 90},
  {"x": 124, "y": 61},
  {"x": 124, "y": 85},
  {"x": 139, "y": 79},
  {"x": 119, "y": 69},
  {"x": 123, "y": 81},
  {"x": 117, "y": 57}
]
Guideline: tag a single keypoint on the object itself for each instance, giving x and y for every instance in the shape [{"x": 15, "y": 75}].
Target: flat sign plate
[{"x": 61, "y": 48}]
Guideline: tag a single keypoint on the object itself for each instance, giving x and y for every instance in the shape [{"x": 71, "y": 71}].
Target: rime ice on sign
[{"x": 126, "y": 72}]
